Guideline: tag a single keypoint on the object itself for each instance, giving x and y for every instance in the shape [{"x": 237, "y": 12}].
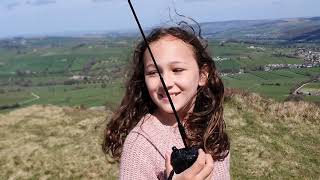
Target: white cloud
[
  {"x": 12, "y": 5},
  {"x": 40, "y": 2}
]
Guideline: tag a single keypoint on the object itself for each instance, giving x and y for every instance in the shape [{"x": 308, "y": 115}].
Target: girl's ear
[{"x": 204, "y": 72}]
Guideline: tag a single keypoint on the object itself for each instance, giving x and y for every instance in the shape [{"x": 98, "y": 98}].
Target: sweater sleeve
[
  {"x": 221, "y": 169},
  {"x": 137, "y": 159}
]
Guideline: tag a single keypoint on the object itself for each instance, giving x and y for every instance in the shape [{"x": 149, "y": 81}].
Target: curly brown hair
[{"x": 205, "y": 126}]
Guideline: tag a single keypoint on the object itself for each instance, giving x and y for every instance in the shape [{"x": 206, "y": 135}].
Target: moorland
[{"x": 57, "y": 93}]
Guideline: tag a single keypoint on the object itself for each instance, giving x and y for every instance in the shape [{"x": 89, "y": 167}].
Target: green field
[
  {"x": 275, "y": 84},
  {"x": 74, "y": 95},
  {"x": 312, "y": 87},
  {"x": 45, "y": 66},
  {"x": 241, "y": 56},
  {"x": 312, "y": 91},
  {"x": 62, "y": 54}
]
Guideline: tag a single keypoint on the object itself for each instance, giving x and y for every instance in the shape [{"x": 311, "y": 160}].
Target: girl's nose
[{"x": 168, "y": 80}]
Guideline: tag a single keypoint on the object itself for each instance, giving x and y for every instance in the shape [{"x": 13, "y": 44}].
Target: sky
[{"x": 45, "y": 17}]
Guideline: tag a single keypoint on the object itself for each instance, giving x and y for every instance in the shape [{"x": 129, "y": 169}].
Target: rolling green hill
[
  {"x": 291, "y": 29},
  {"x": 300, "y": 29}
]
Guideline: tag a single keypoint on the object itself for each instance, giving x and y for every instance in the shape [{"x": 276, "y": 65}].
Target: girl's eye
[
  {"x": 152, "y": 73},
  {"x": 178, "y": 70}
]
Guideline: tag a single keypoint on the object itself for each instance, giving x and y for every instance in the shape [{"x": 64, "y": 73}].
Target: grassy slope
[
  {"x": 272, "y": 139},
  {"x": 268, "y": 140},
  {"x": 44, "y": 141}
]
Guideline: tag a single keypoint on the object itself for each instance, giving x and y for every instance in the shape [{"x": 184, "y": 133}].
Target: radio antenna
[{"x": 181, "y": 129}]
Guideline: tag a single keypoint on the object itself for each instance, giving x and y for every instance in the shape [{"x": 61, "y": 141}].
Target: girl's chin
[{"x": 167, "y": 110}]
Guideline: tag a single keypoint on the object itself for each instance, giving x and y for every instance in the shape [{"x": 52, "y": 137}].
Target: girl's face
[{"x": 180, "y": 71}]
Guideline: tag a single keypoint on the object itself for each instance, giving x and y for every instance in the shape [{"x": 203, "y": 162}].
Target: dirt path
[
  {"x": 19, "y": 104},
  {"x": 36, "y": 97},
  {"x": 295, "y": 91}
]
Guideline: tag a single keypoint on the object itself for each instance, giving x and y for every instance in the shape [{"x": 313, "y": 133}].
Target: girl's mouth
[{"x": 164, "y": 96}]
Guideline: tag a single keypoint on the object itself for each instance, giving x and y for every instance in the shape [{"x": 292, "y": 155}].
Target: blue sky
[{"x": 32, "y": 17}]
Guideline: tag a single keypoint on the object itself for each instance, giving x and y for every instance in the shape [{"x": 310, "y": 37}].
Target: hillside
[
  {"x": 300, "y": 29},
  {"x": 268, "y": 140},
  {"x": 45, "y": 141},
  {"x": 291, "y": 29}
]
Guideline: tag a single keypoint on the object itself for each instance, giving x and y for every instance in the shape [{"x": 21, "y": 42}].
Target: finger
[
  {"x": 198, "y": 164},
  {"x": 169, "y": 168},
  {"x": 207, "y": 169},
  {"x": 210, "y": 176}
]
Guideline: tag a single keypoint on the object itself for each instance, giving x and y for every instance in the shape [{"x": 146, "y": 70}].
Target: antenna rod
[{"x": 181, "y": 129}]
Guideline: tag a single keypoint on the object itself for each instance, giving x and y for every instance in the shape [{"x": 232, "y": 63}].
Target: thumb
[{"x": 169, "y": 168}]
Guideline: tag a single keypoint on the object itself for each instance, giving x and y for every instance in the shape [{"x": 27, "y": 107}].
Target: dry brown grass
[
  {"x": 269, "y": 140},
  {"x": 49, "y": 142},
  {"x": 273, "y": 140}
]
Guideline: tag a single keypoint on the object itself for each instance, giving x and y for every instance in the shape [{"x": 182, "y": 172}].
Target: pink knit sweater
[{"x": 143, "y": 155}]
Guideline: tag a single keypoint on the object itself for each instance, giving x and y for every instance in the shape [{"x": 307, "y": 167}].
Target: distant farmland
[
  {"x": 92, "y": 71},
  {"x": 275, "y": 84}
]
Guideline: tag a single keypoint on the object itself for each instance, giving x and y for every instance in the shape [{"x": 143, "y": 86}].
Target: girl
[{"x": 143, "y": 130}]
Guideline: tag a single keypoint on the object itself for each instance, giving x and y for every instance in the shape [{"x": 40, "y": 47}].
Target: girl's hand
[{"x": 201, "y": 169}]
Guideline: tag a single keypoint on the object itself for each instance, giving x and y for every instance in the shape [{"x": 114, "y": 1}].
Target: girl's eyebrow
[
  {"x": 150, "y": 65},
  {"x": 177, "y": 62},
  {"x": 174, "y": 62}
]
